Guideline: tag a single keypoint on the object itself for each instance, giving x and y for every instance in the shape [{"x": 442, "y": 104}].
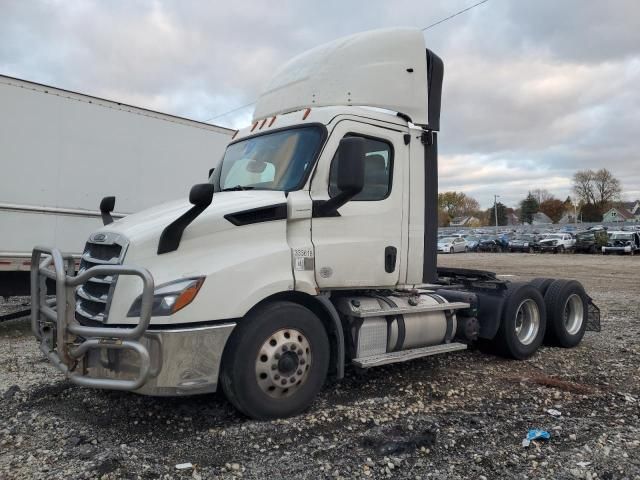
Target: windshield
[
  {"x": 559, "y": 237},
  {"x": 275, "y": 161},
  {"x": 446, "y": 240}
]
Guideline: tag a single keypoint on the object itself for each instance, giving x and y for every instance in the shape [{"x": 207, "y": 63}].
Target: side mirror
[
  {"x": 211, "y": 170},
  {"x": 107, "y": 204},
  {"x": 350, "y": 160},
  {"x": 201, "y": 194}
]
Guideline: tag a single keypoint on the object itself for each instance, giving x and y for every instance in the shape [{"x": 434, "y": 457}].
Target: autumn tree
[
  {"x": 598, "y": 188},
  {"x": 529, "y": 207},
  {"x": 590, "y": 213},
  {"x": 457, "y": 204},
  {"x": 541, "y": 194},
  {"x": 553, "y": 208}
]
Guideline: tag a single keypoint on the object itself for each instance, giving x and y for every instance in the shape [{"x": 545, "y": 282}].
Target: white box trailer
[{"x": 61, "y": 152}]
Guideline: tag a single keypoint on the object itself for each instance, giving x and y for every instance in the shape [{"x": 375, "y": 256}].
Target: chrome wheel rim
[
  {"x": 527, "y": 321},
  {"x": 573, "y": 314},
  {"x": 283, "y": 363}
]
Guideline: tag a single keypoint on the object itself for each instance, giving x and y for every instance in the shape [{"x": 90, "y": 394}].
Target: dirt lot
[{"x": 462, "y": 415}]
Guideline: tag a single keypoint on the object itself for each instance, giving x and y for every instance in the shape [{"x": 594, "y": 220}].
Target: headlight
[{"x": 169, "y": 298}]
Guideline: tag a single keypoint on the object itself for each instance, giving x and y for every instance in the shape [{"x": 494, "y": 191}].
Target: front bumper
[{"x": 180, "y": 361}]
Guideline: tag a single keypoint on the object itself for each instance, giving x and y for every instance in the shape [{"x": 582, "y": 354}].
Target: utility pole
[{"x": 495, "y": 206}]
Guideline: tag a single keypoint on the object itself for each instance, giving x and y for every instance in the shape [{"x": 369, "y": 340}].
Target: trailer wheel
[
  {"x": 542, "y": 284},
  {"x": 567, "y": 309},
  {"x": 276, "y": 361},
  {"x": 523, "y": 322}
]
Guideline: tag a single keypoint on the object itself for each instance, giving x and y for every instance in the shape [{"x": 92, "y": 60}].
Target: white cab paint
[
  {"x": 242, "y": 264},
  {"x": 350, "y": 248},
  {"x": 369, "y": 68}
]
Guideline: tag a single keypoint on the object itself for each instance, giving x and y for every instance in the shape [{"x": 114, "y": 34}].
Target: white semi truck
[
  {"x": 312, "y": 246},
  {"x": 62, "y": 151}
]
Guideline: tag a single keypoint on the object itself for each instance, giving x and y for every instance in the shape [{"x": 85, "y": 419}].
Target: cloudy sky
[{"x": 534, "y": 90}]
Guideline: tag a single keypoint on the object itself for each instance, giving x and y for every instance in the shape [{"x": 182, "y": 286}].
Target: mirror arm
[
  {"x": 329, "y": 208},
  {"x": 172, "y": 234}
]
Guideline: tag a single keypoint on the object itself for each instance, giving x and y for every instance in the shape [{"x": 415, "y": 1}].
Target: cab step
[{"x": 405, "y": 355}]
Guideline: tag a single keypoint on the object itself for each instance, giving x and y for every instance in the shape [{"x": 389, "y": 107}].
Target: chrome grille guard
[{"x": 63, "y": 339}]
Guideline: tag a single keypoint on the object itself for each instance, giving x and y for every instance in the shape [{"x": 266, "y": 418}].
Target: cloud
[{"x": 533, "y": 90}]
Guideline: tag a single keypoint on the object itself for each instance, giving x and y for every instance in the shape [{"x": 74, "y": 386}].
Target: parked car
[
  {"x": 523, "y": 243},
  {"x": 472, "y": 242},
  {"x": 622, "y": 242},
  {"x": 557, "y": 243},
  {"x": 590, "y": 241},
  {"x": 452, "y": 245},
  {"x": 491, "y": 243}
]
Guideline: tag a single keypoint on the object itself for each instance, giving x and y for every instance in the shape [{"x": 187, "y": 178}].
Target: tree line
[{"x": 595, "y": 192}]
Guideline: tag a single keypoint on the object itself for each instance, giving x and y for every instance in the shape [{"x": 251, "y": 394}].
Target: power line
[
  {"x": 454, "y": 15},
  {"x": 425, "y": 28},
  {"x": 230, "y": 111}
]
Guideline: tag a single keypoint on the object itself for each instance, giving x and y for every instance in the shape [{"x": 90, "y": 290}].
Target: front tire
[
  {"x": 276, "y": 361},
  {"x": 523, "y": 322},
  {"x": 567, "y": 309},
  {"x": 451, "y": 250}
]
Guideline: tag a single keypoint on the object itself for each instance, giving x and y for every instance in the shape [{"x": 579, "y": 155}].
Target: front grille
[{"x": 93, "y": 297}]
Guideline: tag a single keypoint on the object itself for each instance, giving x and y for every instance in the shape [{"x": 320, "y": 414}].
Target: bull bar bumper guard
[{"x": 63, "y": 339}]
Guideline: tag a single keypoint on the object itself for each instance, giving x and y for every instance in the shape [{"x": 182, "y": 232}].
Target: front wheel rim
[
  {"x": 527, "y": 322},
  {"x": 283, "y": 363},
  {"x": 573, "y": 314}
]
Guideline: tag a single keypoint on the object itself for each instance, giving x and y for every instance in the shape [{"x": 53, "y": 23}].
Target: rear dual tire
[
  {"x": 567, "y": 306},
  {"x": 523, "y": 322}
]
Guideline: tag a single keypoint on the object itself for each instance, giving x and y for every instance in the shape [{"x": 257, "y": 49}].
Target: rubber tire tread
[
  {"x": 505, "y": 342},
  {"x": 237, "y": 375},
  {"x": 554, "y": 300},
  {"x": 542, "y": 284}
]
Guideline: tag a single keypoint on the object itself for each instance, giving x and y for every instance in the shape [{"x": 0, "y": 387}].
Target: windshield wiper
[{"x": 236, "y": 188}]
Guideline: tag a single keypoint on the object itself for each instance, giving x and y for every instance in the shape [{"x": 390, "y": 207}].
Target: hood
[{"x": 146, "y": 226}]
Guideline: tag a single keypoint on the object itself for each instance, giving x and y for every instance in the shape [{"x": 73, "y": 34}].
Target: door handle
[{"x": 390, "y": 254}]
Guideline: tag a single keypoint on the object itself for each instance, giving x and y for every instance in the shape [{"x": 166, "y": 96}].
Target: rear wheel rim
[
  {"x": 283, "y": 363},
  {"x": 573, "y": 314},
  {"x": 527, "y": 322}
]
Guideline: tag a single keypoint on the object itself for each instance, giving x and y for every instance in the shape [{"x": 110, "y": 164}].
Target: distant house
[
  {"x": 618, "y": 214},
  {"x": 632, "y": 207},
  {"x": 469, "y": 221},
  {"x": 541, "y": 219},
  {"x": 567, "y": 217},
  {"x": 512, "y": 219}
]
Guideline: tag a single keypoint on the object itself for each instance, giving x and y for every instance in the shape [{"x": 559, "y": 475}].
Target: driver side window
[{"x": 378, "y": 171}]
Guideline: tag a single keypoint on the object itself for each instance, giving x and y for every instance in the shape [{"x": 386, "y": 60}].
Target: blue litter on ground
[{"x": 536, "y": 434}]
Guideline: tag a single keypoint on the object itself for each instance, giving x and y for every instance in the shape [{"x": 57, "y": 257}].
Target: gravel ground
[{"x": 463, "y": 415}]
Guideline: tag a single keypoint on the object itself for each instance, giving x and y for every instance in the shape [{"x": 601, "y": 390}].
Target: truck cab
[{"x": 312, "y": 246}]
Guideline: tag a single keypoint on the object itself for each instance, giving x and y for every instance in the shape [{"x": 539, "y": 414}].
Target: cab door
[{"x": 362, "y": 244}]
